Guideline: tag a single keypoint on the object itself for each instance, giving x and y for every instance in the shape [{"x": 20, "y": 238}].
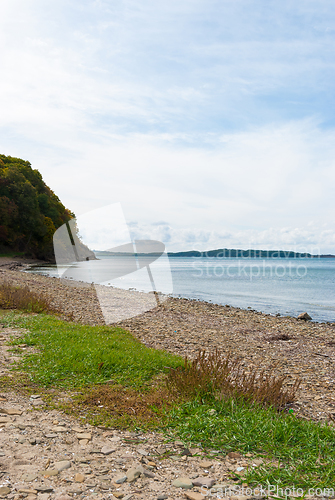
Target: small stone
[
  {"x": 37, "y": 402},
  {"x": 183, "y": 482},
  {"x": 118, "y": 494},
  {"x": 77, "y": 429},
  {"x": 50, "y": 436},
  {"x": 60, "y": 428},
  {"x": 23, "y": 490},
  {"x": 84, "y": 435},
  {"x": 192, "y": 495},
  {"x": 62, "y": 497},
  {"x": 31, "y": 497},
  {"x": 62, "y": 465},
  {"x": 4, "y": 490},
  {"x": 79, "y": 478},
  {"x": 50, "y": 472},
  {"x": 162, "y": 497},
  {"x": 205, "y": 464},
  {"x": 120, "y": 479},
  {"x": 142, "y": 452},
  {"x": 83, "y": 442},
  {"x": 44, "y": 489},
  {"x": 11, "y": 411},
  {"x": 29, "y": 477},
  {"x": 35, "y": 396},
  {"x": 234, "y": 454},
  {"x": 132, "y": 474},
  {"x": 203, "y": 481},
  {"x": 107, "y": 450},
  {"x": 32, "y": 440},
  {"x": 4, "y": 420},
  {"x": 304, "y": 316}
]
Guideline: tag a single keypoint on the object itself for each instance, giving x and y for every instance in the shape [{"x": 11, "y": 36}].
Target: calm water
[{"x": 285, "y": 286}]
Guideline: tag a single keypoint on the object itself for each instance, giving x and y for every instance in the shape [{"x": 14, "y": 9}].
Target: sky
[{"x": 211, "y": 121}]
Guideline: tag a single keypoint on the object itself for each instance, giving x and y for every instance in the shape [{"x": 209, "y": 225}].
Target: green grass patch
[
  {"x": 304, "y": 450},
  {"x": 72, "y": 355},
  {"x": 81, "y": 359}
]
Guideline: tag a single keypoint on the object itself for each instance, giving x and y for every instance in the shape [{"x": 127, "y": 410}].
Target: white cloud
[{"x": 214, "y": 116}]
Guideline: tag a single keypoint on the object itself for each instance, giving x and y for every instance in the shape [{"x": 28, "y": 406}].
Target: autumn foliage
[{"x": 30, "y": 212}]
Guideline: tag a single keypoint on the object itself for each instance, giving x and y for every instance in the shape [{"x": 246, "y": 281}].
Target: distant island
[
  {"x": 253, "y": 254},
  {"x": 227, "y": 252}
]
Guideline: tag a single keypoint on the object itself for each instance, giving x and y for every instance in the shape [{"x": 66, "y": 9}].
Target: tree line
[{"x": 30, "y": 212}]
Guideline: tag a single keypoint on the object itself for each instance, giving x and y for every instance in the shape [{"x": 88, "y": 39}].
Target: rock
[
  {"x": 4, "y": 490},
  {"x": 11, "y": 411},
  {"x": 83, "y": 442},
  {"x": 50, "y": 436},
  {"x": 192, "y": 495},
  {"x": 133, "y": 474},
  {"x": 162, "y": 497},
  {"x": 62, "y": 465},
  {"x": 183, "y": 482},
  {"x": 142, "y": 452},
  {"x": 29, "y": 477},
  {"x": 23, "y": 490},
  {"x": 305, "y": 316},
  {"x": 78, "y": 430},
  {"x": 50, "y": 472},
  {"x": 205, "y": 464},
  {"x": 84, "y": 435},
  {"x": 44, "y": 489},
  {"x": 145, "y": 472},
  {"x": 234, "y": 454},
  {"x": 107, "y": 450},
  {"x": 79, "y": 478},
  {"x": 203, "y": 481},
  {"x": 60, "y": 428},
  {"x": 32, "y": 440},
  {"x": 4, "y": 420},
  {"x": 35, "y": 396},
  {"x": 120, "y": 479}
]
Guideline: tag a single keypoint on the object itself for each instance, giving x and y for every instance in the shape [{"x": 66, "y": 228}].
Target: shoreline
[{"x": 281, "y": 345}]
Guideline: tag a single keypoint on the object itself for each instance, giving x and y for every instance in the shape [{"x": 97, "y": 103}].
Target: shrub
[
  {"x": 13, "y": 297},
  {"x": 223, "y": 376}
]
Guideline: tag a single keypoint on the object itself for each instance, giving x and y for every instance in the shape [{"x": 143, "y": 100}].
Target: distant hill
[
  {"x": 30, "y": 212},
  {"x": 262, "y": 254}
]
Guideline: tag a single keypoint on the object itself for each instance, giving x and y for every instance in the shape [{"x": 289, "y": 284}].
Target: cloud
[{"x": 214, "y": 116}]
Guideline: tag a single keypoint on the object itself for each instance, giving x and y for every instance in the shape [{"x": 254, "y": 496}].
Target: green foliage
[
  {"x": 297, "y": 452},
  {"x": 30, "y": 212},
  {"x": 73, "y": 355}
]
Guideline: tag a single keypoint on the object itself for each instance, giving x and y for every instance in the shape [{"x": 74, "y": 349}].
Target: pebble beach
[{"x": 94, "y": 462}]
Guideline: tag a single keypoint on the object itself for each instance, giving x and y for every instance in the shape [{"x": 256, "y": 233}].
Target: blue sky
[{"x": 212, "y": 122}]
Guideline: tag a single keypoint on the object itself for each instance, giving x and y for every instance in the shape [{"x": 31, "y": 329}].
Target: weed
[
  {"x": 13, "y": 297},
  {"x": 222, "y": 376}
]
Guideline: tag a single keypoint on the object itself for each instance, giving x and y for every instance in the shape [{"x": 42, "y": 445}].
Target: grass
[
  {"x": 303, "y": 451},
  {"x": 72, "y": 355},
  {"x": 223, "y": 376},
  {"x": 15, "y": 297},
  {"x": 112, "y": 379}
]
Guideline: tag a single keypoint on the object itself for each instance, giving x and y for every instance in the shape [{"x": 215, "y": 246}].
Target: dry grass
[
  {"x": 121, "y": 406},
  {"x": 222, "y": 376},
  {"x": 13, "y": 297}
]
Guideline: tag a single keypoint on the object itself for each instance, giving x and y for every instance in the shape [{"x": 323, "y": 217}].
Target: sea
[{"x": 277, "y": 286}]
